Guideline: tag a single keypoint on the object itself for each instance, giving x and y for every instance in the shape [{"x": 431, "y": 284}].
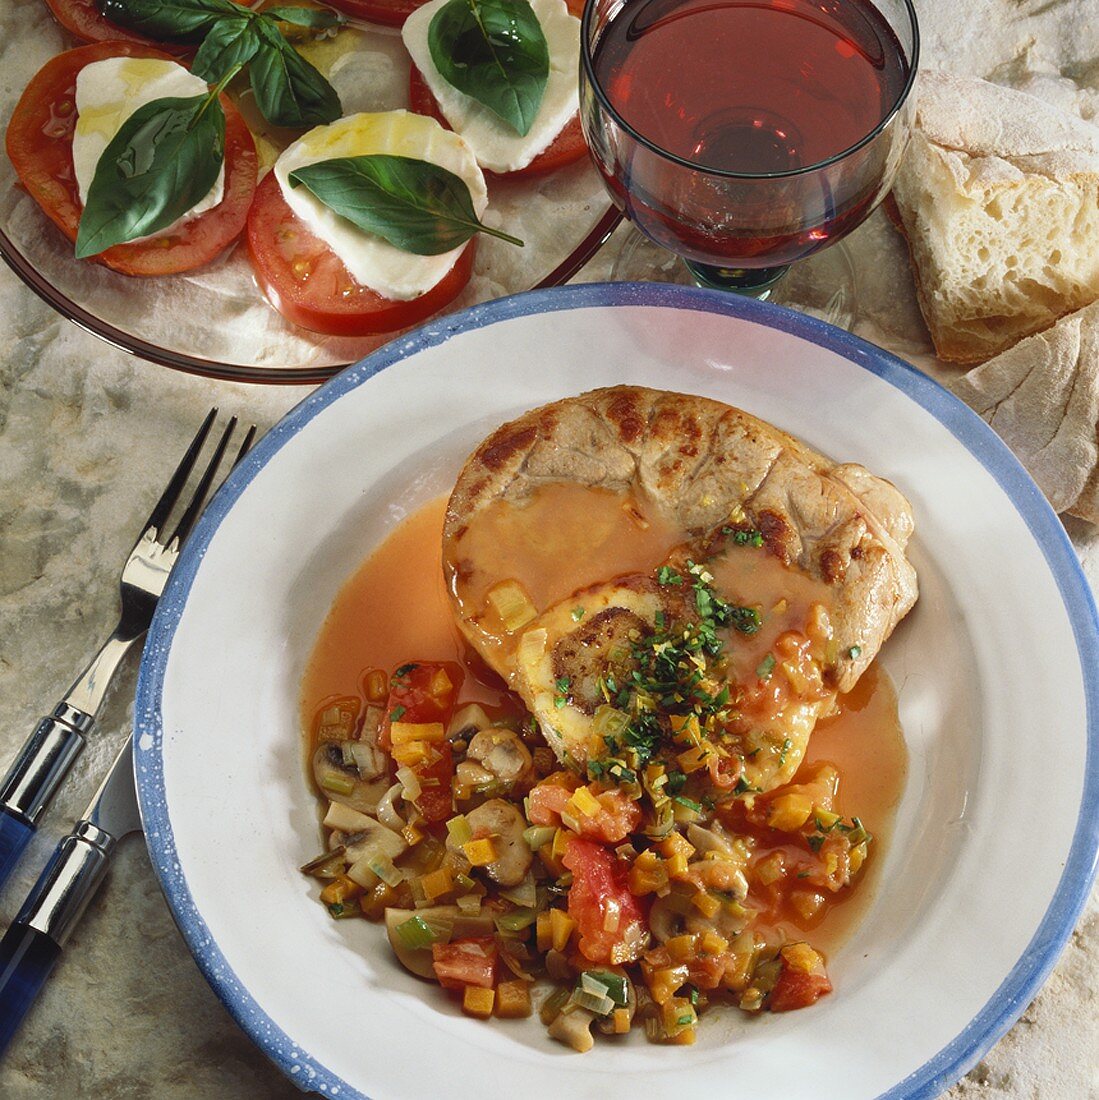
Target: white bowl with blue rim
[{"x": 997, "y": 671}]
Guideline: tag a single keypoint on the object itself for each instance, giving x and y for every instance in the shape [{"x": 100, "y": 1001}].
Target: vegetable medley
[{"x": 657, "y": 883}]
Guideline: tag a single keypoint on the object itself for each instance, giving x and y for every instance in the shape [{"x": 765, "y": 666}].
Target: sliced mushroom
[
  {"x": 339, "y": 778},
  {"x": 711, "y": 839},
  {"x": 374, "y": 839},
  {"x": 467, "y": 721},
  {"x": 501, "y": 751},
  {"x": 664, "y": 921},
  {"x": 448, "y": 920},
  {"x": 573, "y": 1028},
  {"x": 505, "y": 824}
]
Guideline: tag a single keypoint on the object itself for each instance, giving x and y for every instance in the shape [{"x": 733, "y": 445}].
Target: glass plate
[{"x": 214, "y": 321}]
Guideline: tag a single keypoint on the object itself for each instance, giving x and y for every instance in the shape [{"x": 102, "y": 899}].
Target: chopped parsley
[
  {"x": 672, "y": 685},
  {"x": 577, "y": 614},
  {"x": 787, "y": 745},
  {"x": 404, "y": 670},
  {"x": 742, "y": 537},
  {"x": 397, "y": 713},
  {"x": 562, "y": 685},
  {"x": 855, "y": 652},
  {"x": 688, "y": 802},
  {"x": 766, "y": 667}
]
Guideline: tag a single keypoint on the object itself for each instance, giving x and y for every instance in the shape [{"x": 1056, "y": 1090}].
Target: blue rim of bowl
[{"x": 1030, "y": 971}]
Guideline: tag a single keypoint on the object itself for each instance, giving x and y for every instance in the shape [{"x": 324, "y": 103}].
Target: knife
[{"x": 32, "y": 944}]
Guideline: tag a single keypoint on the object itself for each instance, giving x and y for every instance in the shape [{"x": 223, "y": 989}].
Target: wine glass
[{"x": 744, "y": 136}]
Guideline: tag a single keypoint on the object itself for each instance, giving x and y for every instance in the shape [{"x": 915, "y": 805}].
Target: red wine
[
  {"x": 768, "y": 90},
  {"x": 751, "y": 86}
]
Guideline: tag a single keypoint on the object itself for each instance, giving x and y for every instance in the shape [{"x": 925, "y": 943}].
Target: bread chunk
[
  {"x": 998, "y": 197},
  {"x": 1042, "y": 398}
]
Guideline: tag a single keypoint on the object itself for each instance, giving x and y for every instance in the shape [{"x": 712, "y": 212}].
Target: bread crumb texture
[{"x": 998, "y": 197}]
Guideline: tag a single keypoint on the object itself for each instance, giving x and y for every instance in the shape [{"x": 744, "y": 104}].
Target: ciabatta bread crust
[{"x": 998, "y": 197}]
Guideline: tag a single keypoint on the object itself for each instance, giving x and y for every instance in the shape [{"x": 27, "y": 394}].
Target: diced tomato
[
  {"x": 568, "y": 146},
  {"x": 465, "y": 962},
  {"x": 39, "y": 144},
  {"x": 816, "y": 788},
  {"x": 310, "y": 286},
  {"x": 422, "y": 691},
  {"x": 435, "y": 800},
  {"x": 599, "y": 897},
  {"x": 798, "y": 987},
  {"x": 617, "y": 818},
  {"x": 425, "y": 692}
]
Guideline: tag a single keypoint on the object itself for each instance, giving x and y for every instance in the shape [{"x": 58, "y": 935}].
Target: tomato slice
[
  {"x": 465, "y": 962},
  {"x": 84, "y": 19},
  {"x": 567, "y": 147},
  {"x": 391, "y": 13},
  {"x": 39, "y": 143},
  {"x": 308, "y": 284},
  {"x": 598, "y": 895}
]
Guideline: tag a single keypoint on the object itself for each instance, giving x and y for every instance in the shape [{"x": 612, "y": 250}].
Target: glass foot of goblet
[{"x": 824, "y": 285}]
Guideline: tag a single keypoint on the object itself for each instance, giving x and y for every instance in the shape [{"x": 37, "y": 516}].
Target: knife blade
[{"x": 32, "y": 944}]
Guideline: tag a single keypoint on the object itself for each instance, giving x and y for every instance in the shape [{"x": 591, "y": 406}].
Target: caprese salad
[{"x": 367, "y": 222}]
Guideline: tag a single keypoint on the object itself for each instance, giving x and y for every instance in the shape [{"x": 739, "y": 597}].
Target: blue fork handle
[
  {"x": 15, "y": 835},
  {"x": 34, "y": 776},
  {"x": 26, "y": 958}
]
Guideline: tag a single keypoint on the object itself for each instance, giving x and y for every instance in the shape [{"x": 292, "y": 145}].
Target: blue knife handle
[
  {"x": 42, "y": 926},
  {"x": 26, "y": 958},
  {"x": 15, "y": 835}
]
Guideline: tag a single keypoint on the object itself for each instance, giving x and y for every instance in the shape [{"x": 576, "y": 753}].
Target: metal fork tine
[
  {"x": 188, "y": 518},
  {"x": 246, "y": 446},
  {"x": 163, "y": 507}
]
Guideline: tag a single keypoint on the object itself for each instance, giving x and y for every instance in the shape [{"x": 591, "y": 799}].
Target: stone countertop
[{"x": 87, "y": 433}]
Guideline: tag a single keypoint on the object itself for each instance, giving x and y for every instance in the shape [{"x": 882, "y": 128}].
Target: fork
[{"x": 49, "y": 753}]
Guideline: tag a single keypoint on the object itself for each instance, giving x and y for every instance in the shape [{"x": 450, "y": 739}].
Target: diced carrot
[
  {"x": 513, "y": 1000},
  {"x": 478, "y": 1001}
]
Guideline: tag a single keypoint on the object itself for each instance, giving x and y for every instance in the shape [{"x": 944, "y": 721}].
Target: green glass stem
[{"x": 753, "y": 282}]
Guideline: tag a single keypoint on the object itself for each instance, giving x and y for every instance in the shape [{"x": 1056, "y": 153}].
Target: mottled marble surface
[{"x": 87, "y": 435}]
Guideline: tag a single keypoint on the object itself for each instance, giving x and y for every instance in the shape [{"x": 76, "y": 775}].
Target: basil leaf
[
  {"x": 230, "y": 43},
  {"x": 288, "y": 90},
  {"x": 317, "y": 19},
  {"x": 415, "y": 205},
  {"x": 494, "y": 51},
  {"x": 177, "y": 20},
  {"x": 164, "y": 159}
]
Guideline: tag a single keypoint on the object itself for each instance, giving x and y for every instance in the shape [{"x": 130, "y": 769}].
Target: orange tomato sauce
[{"x": 396, "y": 609}]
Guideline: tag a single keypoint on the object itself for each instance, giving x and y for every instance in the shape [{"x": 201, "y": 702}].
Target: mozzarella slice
[
  {"x": 495, "y": 144},
  {"x": 107, "y": 93},
  {"x": 372, "y": 261}
]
